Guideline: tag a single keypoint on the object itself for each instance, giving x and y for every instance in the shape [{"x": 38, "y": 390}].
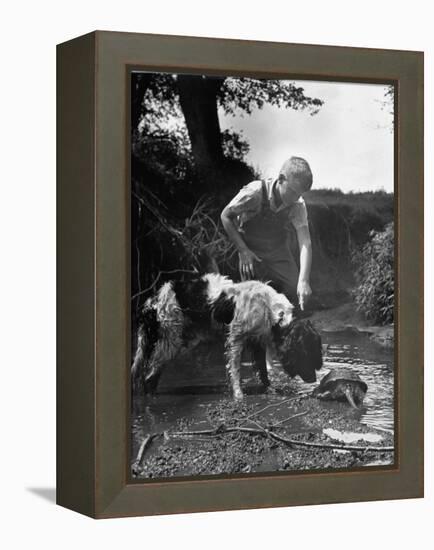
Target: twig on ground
[
  {"x": 289, "y": 418},
  {"x": 262, "y": 428},
  {"x": 331, "y": 446},
  {"x": 145, "y": 444},
  {"x": 267, "y": 407},
  {"x": 269, "y": 433},
  {"x": 218, "y": 431}
]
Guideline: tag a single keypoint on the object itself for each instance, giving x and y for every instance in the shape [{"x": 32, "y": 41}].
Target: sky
[{"x": 348, "y": 144}]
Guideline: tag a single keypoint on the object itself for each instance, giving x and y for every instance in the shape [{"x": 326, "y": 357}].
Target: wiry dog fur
[{"x": 249, "y": 312}]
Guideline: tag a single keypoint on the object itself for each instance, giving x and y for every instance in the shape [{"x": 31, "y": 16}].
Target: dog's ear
[
  {"x": 300, "y": 349},
  {"x": 312, "y": 351},
  {"x": 316, "y": 346}
]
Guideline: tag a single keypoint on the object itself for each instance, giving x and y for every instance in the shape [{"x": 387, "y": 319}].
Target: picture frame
[{"x": 93, "y": 272}]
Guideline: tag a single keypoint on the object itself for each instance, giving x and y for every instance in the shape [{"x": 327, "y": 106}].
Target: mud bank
[
  {"x": 212, "y": 449},
  {"x": 193, "y": 427}
]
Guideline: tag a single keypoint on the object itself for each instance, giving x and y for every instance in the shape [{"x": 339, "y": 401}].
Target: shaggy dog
[{"x": 250, "y": 312}]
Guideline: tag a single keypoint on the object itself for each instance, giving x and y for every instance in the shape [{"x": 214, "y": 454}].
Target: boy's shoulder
[
  {"x": 248, "y": 198},
  {"x": 252, "y": 190},
  {"x": 254, "y": 186}
]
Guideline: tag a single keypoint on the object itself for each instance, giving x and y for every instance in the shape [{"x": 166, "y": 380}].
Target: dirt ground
[
  {"x": 298, "y": 418},
  {"x": 218, "y": 451}
]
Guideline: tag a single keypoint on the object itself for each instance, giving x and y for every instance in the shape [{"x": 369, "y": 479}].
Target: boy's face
[{"x": 289, "y": 188}]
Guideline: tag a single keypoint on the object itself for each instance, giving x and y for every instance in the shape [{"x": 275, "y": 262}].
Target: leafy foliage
[
  {"x": 166, "y": 153},
  {"x": 388, "y": 104},
  {"x": 234, "y": 146},
  {"x": 160, "y": 139},
  {"x": 154, "y": 97},
  {"x": 374, "y": 262},
  {"x": 245, "y": 94}
]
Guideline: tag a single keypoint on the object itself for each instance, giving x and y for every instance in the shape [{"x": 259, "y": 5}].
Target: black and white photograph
[{"x": 262, "y": 262}]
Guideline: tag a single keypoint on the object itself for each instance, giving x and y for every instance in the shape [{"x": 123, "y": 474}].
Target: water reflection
[{"x": 374, "y": 364}]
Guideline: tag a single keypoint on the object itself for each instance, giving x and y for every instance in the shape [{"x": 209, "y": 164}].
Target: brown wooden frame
[{"x": 93, "y": 272}]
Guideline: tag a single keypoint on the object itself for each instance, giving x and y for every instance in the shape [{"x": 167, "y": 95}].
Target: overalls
[{"x": 266, "y": 234}]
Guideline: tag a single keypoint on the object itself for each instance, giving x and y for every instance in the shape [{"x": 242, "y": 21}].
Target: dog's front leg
[
  {"x": 234, "y": 348},
  {"x": 260, "y": 363}
]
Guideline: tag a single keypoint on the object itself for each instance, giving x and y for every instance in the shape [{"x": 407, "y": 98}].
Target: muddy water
[
  {"x": 374, "y": 364},
  {"x": 190, "y": 385}
]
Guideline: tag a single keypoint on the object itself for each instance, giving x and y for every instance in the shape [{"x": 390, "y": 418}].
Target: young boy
[{"x": 256, "y": 220}]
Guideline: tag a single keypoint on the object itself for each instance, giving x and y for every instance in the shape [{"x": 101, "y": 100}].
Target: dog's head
[{"x": 299, "y": 349}]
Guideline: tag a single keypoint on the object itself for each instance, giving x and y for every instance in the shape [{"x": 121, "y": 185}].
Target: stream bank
[
  {"x": 302, "y": 419},
  {"x": 193, "y": 396}
]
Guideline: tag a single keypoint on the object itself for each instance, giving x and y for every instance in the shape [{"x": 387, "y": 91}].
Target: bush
[{"x": 374, "y": 263}]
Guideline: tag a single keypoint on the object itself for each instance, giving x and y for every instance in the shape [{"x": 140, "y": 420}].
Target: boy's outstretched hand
[{"x": 303, "y": 292}]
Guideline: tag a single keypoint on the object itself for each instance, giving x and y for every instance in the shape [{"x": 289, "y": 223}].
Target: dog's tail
[
  {"x": 138, "y": 362},
  {"x": 147, "y": 334}
]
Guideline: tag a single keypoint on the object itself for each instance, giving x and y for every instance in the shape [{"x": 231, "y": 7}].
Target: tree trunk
[{"x": 198, "y": 98}]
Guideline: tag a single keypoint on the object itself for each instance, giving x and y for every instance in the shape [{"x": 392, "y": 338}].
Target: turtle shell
[{"x": 336, "y": 376}]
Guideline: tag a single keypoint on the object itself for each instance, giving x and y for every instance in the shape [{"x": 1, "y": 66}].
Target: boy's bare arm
[
  {"x": 227, "y": 218},
  {"x": 247, "y": 257},
  {"x": 304, "y": 242}
]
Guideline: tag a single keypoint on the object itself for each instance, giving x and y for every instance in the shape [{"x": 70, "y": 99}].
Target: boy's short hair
[{"x": 299, "y": 169}]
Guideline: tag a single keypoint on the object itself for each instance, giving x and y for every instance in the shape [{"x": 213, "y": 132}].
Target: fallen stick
[
  {"x": 332, "y": 446},
  {"x": 269, "y": 433},
  {"x": 289, "y": 418},
  {"x": 217, "y": 431},
  {"x": 145, "y": 444},
  {"x": 262, "y": 428},
  {"x": 268, "y": 407}
]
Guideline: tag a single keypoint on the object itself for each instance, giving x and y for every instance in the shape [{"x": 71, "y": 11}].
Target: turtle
[{"x": 342, "y": 385}]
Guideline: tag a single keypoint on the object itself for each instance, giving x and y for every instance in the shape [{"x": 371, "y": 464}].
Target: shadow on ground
[{"x": 47, "y": 493}]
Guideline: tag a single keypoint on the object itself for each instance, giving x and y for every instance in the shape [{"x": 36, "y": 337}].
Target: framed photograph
[{"x": 240, "y": 274}]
